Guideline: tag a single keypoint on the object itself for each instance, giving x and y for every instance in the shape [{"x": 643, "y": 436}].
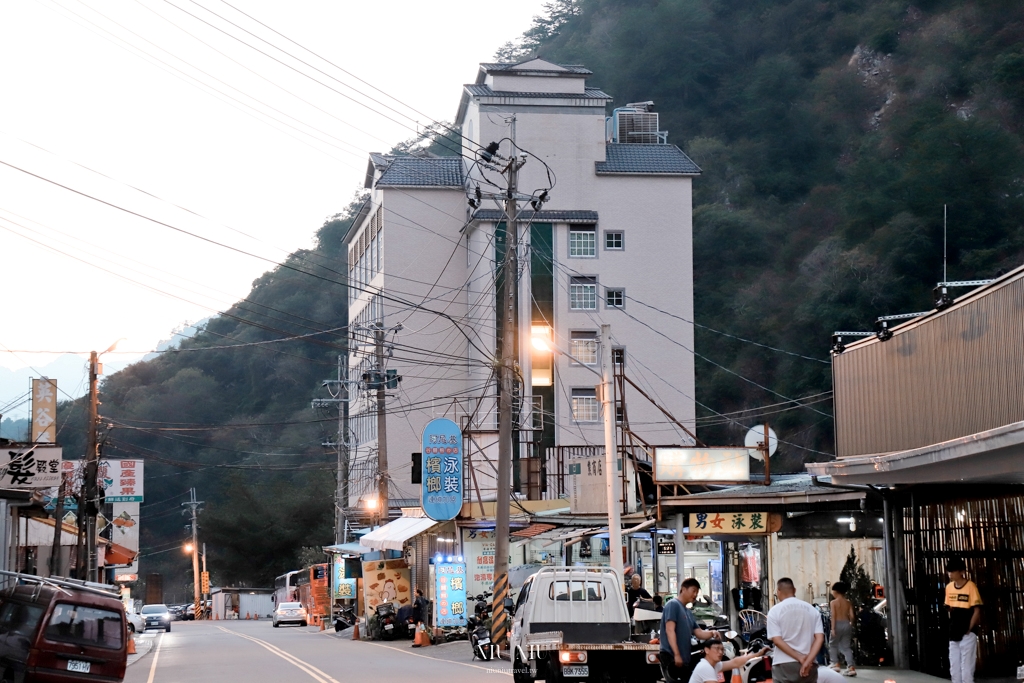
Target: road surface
[{"x": 255, "y": 652}]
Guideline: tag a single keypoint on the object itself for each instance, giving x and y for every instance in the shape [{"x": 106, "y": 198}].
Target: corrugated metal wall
[
  {"x": 952, "y": 374},
  {"x": 815, "y": 564}
]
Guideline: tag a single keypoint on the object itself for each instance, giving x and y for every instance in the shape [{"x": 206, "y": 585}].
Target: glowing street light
[{"x": 189, "y": 547}]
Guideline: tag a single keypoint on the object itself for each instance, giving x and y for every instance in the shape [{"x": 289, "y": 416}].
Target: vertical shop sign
[
  {"x": 450, "y": 592},
  {"x": 44, "y": 410},
  {"x": 441, "y": 492}
]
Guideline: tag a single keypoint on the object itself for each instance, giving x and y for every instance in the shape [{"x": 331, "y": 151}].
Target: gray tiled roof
[
  {"x": 648, "y": 159},
  {"x": 543, "y": 216},
  {"x": 509, "y": 66},
  {"x": 588, "y": 94},
  {"x": 403, "y": 171}
]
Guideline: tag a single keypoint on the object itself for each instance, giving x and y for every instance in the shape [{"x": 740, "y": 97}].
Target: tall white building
[{"x": 613, "y": 240}]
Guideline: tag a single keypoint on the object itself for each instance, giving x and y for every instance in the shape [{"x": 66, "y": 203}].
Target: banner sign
[
  {"x": 121, "y": 481},
  {"x": 345, "y": 589},
  {"x": 478, "y": 549},
  {"x": 699, "y": 465},
  {"x": 748, "y": 523},
  {"x": 385, "y": 581},
  {"x": 450, "y": 592},
  {"x": 441, "y": 494},
  {"x": 30, "y": 467},
  {"x": 44, "y": 410}
]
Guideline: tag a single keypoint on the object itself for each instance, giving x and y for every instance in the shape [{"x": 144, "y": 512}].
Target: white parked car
[
  {"x": 290, "y": 613},
  {"x": 136, "y": 624}
]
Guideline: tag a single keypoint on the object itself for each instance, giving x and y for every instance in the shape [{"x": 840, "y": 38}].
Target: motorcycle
[
  {"x": 387, "y": 621},
  {"x": 344, "y": 617},
  {"x": 479, "y": 628}
]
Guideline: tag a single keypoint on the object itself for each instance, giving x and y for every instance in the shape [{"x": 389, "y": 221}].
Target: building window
[
  {"x": 613, "y": 241},
  {"x": 583, "y": 293},
  {"x": 583, "y": 346},
  {"x": 584, "y": 405},
  {"x": 615, "y": 298},
  {"x": 618, "y": 355},
  {"x": 583, "y": 241}
]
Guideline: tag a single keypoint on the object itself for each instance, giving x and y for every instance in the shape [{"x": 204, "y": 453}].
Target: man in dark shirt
[
  {"x": 678, "y": 625},
  {"x": 635, "y": 592}
]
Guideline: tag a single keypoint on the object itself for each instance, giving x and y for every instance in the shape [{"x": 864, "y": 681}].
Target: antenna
[{"x": 943, "y": 242}]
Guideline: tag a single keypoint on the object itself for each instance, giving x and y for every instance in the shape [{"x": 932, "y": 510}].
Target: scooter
[
  {"x": 344, "y": 617},
  {"x": 479, "y": 628},
  {"x": 387, "y": 621}
]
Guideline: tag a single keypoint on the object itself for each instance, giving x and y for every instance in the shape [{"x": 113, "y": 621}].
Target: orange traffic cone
[
  {"x": 216, "y": 616},
  {"x": 322, "y": 625},
  {"x": 131, "y": 646},
  {"x": 736, "y": 678},
  {"x": 355, "y": 630},
  {"x": 248, "y": 616},
  {"x": 422, "y": 639},
  {"x": 256, "y": 617}
]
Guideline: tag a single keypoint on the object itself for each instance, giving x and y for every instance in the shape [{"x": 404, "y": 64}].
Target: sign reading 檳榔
[
  {"x": 450, "y": 593},
  {"x": 442, "y": 488}
]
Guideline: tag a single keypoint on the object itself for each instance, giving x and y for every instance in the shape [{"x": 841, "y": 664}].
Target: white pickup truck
[{"x": 571, "y": 624}]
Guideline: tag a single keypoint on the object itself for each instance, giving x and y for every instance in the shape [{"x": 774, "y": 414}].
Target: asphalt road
[{"x": 255, "y": 652}]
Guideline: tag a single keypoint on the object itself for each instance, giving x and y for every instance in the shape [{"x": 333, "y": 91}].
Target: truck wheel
[{"x": 521, "y": 671}]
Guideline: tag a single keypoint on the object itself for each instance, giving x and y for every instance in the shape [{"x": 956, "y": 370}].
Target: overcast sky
[{"x": 124, "y": 93}]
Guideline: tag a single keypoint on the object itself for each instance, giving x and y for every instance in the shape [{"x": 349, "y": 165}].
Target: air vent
[{"x": 636, "y": 124}]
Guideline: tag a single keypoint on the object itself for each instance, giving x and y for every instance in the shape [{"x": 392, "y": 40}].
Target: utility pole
[
  {"x": 58, "y": 513},
  {"x": 383, "y": 477},
  {"x": 612, "y": 480},
  {"x": 206, "y": 582},
  {"x": 509, "y": 352},
  {"x": 193, "y": 506},
  {"x": 339, "y": 399},
  {"x": 90, "y": 490}
]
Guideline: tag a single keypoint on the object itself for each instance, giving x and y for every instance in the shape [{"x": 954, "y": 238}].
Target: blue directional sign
[
  {"x": 450, "y": 593},
  {"x": 441, "y": 494}
]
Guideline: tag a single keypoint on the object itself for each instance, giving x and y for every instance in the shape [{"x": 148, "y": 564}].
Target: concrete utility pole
[
  {"x": 193, "y": 506},
  {"x": 612, "y": 480},
  {"x": 340, "y": 400},
  {"x": 206, "y": 583},
  {"x": 383, "y": 477},
  {"x": 58, "y": 513},
  {"x": 509, "y": 352},
  {"x": 90, "y": 490}
]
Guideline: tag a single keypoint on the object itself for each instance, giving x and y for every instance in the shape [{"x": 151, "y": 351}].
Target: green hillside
[{"x": 831, "y": 133}]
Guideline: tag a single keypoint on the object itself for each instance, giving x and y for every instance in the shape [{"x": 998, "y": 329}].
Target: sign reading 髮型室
[
  {"x": 679, "y": 465},
  {"x": 441, "y": 493}
]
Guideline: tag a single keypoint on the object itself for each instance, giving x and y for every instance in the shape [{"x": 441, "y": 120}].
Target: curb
[{"x": 142, "y": 648}]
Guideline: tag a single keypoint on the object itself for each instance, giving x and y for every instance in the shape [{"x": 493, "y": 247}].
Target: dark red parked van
[{"x": 53, "y": 633}]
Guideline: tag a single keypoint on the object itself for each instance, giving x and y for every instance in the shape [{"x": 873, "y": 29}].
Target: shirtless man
[{"x": 842, "y": 629}]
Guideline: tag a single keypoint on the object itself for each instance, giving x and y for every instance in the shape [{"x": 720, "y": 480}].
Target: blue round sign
[{"x": 441, "y": 493}]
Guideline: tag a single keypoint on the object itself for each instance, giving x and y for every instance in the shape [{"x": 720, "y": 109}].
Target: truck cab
[{"x": 571, "y": 624}]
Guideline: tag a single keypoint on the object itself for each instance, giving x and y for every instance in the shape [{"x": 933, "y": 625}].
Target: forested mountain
[{"x": 831, "y": 134}]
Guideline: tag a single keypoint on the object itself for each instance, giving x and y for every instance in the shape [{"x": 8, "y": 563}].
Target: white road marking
[
  {"x": 156, "y": 656},
  {"x": 290, "y": 658},
  {"x": 438, "y": 659}
]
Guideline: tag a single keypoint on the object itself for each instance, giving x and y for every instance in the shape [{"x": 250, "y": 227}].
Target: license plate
[
  {"x": 1020, "y": 673},
  {"x": 575, "y": 671},
  {"x": 388, "y": 627},
  {"x": 80, "y": 667}
]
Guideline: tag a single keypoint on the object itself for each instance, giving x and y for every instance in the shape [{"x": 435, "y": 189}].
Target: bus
[{"x": 286, "y": 588}]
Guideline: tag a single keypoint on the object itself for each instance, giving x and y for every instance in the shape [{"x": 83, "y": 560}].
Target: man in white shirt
[
  {"x": 796, "y": 630},
  {"x": 707, "y": 669}
]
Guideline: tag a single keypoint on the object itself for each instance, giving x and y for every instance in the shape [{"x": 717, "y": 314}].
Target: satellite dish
[{"x": 756, "y": 436}]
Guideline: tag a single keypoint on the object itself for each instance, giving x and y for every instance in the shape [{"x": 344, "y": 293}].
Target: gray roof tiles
[
  {"x": 543, "y": 216},
  {"x": 405, "y": 171},
  {"x": 478, "y": 90},
  {"x": 510, "y": 66},
  {"x": 646, "y": 159}
]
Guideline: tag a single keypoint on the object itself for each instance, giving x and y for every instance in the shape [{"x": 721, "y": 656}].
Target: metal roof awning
[
  {"x": 394, "y": 534},
  {"x": 533, "y": 530},
  {"x": 345, "y": 549},
  {"x": 785, "y": 491},
  {"x": 992, "y": 456}
]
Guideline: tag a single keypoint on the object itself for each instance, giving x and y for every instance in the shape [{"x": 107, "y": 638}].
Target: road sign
[
  {"x": 205, "y": 587},
  {"x": 441, "y": 490}
]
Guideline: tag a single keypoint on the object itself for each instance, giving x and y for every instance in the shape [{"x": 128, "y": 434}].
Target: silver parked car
[{"x": 290, "y": 613}]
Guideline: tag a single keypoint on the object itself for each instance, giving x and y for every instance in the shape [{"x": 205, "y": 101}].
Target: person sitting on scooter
[{"x": 707, "y": 669}]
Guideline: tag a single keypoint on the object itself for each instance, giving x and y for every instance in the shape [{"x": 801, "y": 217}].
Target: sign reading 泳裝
[
  {"x": 678, "y": 465},
  {"x": 441, "y": 493},
  {"x": 44, "y": 410},
  {"x": 450, "y": 593},
  {"x": 30, "y": 467},
  {"x": 749, "y": 523}
]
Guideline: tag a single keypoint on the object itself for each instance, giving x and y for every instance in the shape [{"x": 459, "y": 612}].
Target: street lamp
[
  {"x": 188, "y": 548},
  {"x": 608, "y": 411}
]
